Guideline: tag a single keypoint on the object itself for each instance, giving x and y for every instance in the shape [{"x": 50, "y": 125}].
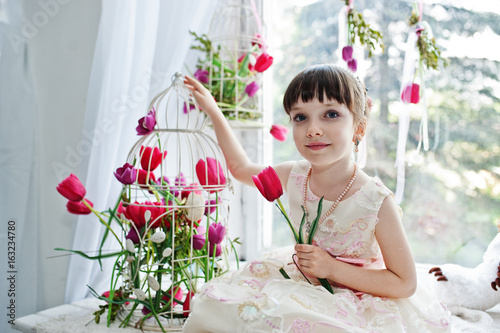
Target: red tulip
[
  {"x": 188, "y": 189},
  {"x": 136, "y": 212},
  {"x": 72, "y": 188},
  {"x": 411, "y": 94},
  {"x": 79, "y": 208},
  {"x": 269, "y": 184},
  {"x": 210, "y": 174},
  {"x": 186, "y": 307},
  {"x": 151, "y": 157},
  {"x": 263, "y": 62},
  {"x": 145, "y": 177},
  {"x": 178, "y": 296},
  {"x": 279, "y": 132}
]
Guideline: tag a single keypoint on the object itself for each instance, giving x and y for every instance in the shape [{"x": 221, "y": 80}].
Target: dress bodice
[{"x": 349, "y": 231}]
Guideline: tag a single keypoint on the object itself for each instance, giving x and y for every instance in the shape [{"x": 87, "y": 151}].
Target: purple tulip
[
  {"x": 347, "y": 53},
  {"x": 210, "y": 207},
  {"x": 352, "y": 64},
  {"x": 126, "y": 175},
  {"x": 216, "y": 233},
  {"x": 252, "y": 88},
  {"x": 133, "y": 236},
  {"x": 198, "y": 242},
  {"x": 218, "y": 250},
  {"x": 191, "y": 107},
  {"x": 201, "y": 75},
  {"x": 146, "y": 123}
]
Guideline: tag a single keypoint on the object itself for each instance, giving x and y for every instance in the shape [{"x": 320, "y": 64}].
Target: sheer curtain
[
  {"x": 140, "y": 45},
  {"x": 18, "y": 187}
]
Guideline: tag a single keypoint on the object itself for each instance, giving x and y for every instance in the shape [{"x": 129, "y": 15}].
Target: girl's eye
[
  {"x": 331, "y": 114},
  {"x": 299, "y": 118}
]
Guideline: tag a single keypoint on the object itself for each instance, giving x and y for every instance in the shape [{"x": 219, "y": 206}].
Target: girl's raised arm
[{"x": 240, "y": 166}]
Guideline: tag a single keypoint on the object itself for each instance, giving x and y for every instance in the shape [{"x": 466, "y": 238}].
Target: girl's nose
[{"x": 314, "y": 130}]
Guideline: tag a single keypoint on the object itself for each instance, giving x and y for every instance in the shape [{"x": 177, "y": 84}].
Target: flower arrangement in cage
[
  {"x": 171, "y": 230},
  {"x": 233, "y": 83}
]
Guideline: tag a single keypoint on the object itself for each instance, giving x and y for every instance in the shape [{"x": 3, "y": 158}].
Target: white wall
[{"x": 60, "y": 55}]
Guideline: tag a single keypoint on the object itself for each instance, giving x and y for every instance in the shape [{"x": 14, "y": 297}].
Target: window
[{"x": 452, "y": 195}]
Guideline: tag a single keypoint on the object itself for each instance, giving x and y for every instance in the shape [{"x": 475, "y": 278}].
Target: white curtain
[
  {"x": 18, "y": 186},
  {"x": 140, "y": 45}
]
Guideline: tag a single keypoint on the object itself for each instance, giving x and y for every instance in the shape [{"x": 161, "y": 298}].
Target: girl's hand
[
  {"x": 314, "y": 261},
  {"x": 205, "y": 100}
]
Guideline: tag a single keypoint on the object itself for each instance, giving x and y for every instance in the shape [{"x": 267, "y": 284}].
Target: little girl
[{"x": 359, "y": 246}]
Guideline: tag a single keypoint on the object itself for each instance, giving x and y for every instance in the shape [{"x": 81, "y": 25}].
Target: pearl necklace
[{"x": 334, "y": 205}]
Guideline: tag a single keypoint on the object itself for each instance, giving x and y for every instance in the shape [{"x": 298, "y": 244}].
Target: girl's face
[{"x": 323, "y": 132}]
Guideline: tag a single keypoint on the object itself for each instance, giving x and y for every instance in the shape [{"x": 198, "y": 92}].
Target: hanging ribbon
[
  {"x": 412, "y": 69},
  {"x": 259, "y": 25}
]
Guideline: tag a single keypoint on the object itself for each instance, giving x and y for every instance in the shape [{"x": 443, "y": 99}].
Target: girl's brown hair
[{"x": 330, "y": 82}]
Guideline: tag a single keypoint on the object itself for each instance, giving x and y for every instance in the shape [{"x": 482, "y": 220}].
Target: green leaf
[
  {"x": 282, "y": 271},
  {"x": 314, "y": 223},
  {"x": 325, "y": 284}
]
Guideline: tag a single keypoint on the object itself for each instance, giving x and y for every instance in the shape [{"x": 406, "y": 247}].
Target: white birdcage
[
  {"x": 180, "y": 193},
  {"x": 236, "y": 38}
]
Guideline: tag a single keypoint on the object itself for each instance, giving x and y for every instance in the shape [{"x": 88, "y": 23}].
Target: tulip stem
[
  {"x": 102, "y": 221},
  {"x": 282, "y": 209}
]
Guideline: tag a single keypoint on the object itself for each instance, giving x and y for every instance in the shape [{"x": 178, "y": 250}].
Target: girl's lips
[{"x": 317, "y": 145}]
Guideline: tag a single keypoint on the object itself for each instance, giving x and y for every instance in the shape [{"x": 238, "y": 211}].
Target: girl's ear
[{"x": 360, "y": 130}]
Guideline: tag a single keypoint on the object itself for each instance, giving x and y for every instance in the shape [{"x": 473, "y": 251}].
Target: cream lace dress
[{"x": 258, "y": 299}]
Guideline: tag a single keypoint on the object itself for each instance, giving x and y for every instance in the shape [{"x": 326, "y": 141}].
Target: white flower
[
  {"x": 167, "y": 252},
  {"x": 141, "y": 295},
  {"x": 130, "y": 259},
  {"x": 158, "y": 237},
  {"x": 130, "y": 245},
  {"x": 195, "y": 206},
  {"x": 153, "y": 284}
]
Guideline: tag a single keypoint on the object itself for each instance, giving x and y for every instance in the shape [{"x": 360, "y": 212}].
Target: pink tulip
[
  {"x": 264, "y": 61},
  {"x": 279, "y": 132},
  {"x": 216, "y": 233},
  {"x": 146, "y": 123},
  {"x": 252, "y": 89},
  {"x": 411, "y": 94},
  {"x": 151, "y": 157},
  {"x": 194, "y": 187},
  {"x": 126, "y": 175},
  {"x": 79, "y": 208},
  {"x": 269, "y": 184},
  {"x": 72, "y": 188},
  {"x": 210, "y": 174},
  {"x": 347, "y": 53}
]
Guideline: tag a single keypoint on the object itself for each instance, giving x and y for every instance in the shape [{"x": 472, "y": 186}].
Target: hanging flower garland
[
  {"x": 356, "y": 30},
  {"x": 422, "y": 53}
]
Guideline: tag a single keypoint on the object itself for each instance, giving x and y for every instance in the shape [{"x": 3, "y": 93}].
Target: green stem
[{"x": 102, "y": 221}]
